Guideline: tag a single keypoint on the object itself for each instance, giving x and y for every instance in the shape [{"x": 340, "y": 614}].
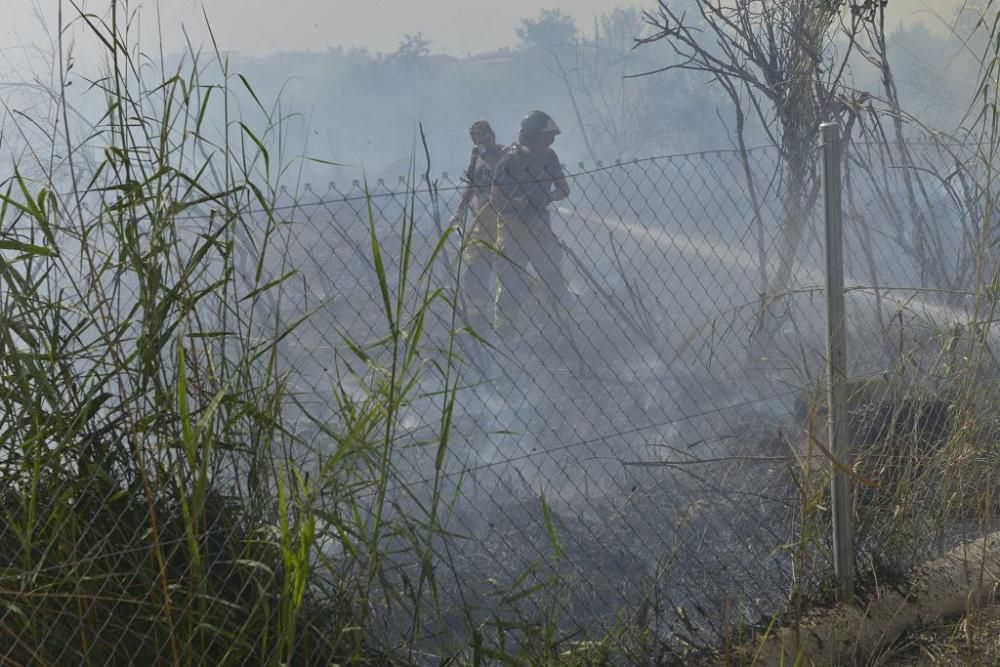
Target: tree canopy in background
[
  {"x": 550, "y": 29},
  {"x": 363, "y": 107}
]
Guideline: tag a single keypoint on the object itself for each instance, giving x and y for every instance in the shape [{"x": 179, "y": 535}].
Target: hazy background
[
  {"x": 456, "y": 27},
  {"x": 356, "y": 79}
]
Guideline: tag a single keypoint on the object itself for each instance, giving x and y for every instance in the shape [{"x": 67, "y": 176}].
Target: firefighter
[
  {"x": 527, "y": 178},
  {"x": 486, "y": 152},
  {"x": 480, "y": 239}
]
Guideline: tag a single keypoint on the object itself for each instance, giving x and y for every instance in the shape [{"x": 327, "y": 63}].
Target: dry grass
[{"x": 973, "y": 640}]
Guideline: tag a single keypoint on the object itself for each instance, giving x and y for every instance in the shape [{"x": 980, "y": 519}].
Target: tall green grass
[
  {"x": 155, "y": 505},
  {"x": 166, "y": 495}
]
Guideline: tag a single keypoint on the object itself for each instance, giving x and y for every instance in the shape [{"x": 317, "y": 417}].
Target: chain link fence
[
  {"x": 658, "y": 413},
  {"x": 631, "y": 458},
  {"x": 635, "y": 411}
]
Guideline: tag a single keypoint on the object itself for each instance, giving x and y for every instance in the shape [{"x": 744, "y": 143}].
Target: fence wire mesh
[
  {"x": 631, "y": 408},
  {"x": 655, "y": 411},
  {"x": 626, "y": 456}
]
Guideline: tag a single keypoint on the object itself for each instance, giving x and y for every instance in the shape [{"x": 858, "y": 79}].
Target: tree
[
  {"x": 780, "y": 63},
  {"x": 551, "y": 29},
  {"x": 785, "y": 65},
  {"x": 411, "y": 48}
]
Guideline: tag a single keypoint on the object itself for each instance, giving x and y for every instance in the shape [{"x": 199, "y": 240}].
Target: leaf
[
  {"x": 268, "y": 285},
  {"x": 203, "y": 109},
  {"x": 187, "y": 432},
  {"x": 260, "y": 145},
  {"x": 327, "y": 162},
  {"x": 250, "y": 90},
  {"x": 550, "y": 526},
  {"x": 28, "y": 248},
  {"x": 383, "y": 280}
]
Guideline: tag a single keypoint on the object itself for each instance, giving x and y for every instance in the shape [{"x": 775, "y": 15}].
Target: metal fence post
[{"x": 836, "y": 365}]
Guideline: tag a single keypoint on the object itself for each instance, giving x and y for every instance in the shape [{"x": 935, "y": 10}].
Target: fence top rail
[{"x": 382, "y": 187}]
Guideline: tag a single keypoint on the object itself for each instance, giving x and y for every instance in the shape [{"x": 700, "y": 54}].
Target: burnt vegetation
[{"x": 174, "y": 490}]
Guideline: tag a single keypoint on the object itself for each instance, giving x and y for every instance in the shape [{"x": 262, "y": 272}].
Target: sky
[{"x": 261, "y": 27}]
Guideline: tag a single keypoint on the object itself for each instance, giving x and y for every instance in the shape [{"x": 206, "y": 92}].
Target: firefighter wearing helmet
[
  {"x": 479, "y": 240},
  {"x": 529, "y": 177},
  {"x": 486, "y": 153}
]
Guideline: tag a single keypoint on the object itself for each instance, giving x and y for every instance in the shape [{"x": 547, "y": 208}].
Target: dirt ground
[{"x": 972, "y": 640}]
